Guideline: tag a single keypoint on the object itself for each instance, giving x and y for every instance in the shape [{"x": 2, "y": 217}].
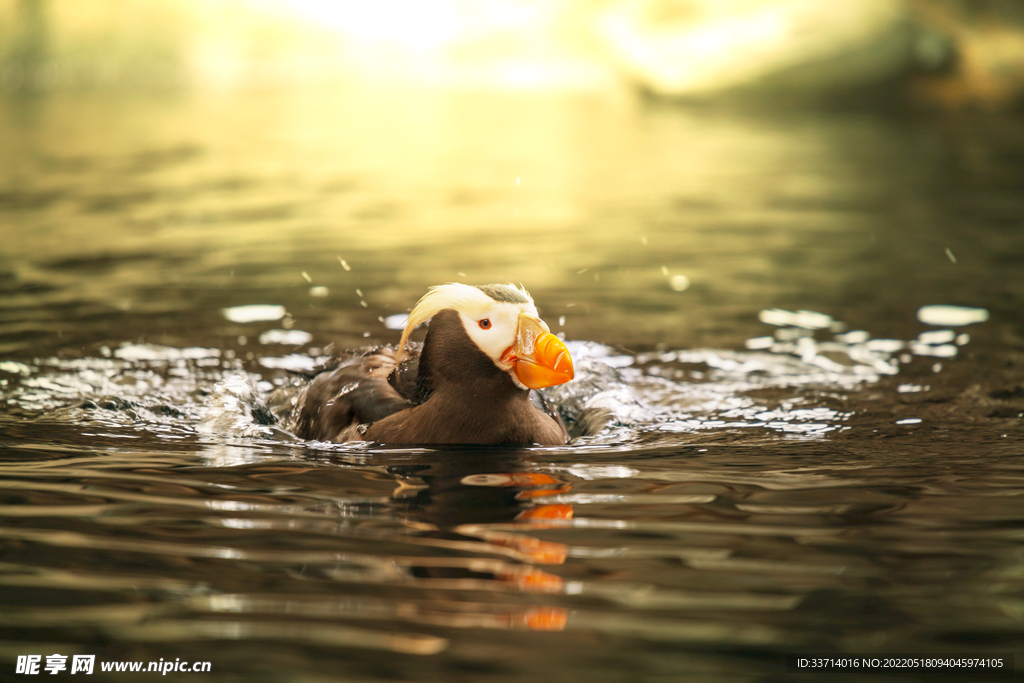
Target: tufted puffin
[{"x": 468, "y": 382}]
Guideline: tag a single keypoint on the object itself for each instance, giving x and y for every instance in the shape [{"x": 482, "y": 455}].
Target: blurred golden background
[{"x": 959, "y": 51}]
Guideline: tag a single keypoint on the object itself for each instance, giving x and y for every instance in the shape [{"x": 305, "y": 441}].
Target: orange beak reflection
[{"x": 540, "y": 358}]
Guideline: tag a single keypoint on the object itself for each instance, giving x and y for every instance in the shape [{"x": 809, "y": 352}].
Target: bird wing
[{"x": 350, "y": 389}]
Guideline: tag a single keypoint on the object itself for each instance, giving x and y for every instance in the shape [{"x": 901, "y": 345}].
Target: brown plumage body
[{"x": 450, "y": 393}]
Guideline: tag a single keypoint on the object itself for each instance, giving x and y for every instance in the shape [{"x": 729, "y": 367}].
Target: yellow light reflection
[{"x": 411, "y": 25}]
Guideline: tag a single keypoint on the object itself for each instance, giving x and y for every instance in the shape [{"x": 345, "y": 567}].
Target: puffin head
[{"x": 502, "y": 321}]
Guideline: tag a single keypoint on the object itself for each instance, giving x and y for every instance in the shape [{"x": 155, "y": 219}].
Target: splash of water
[{"x": 780, "y": 383}]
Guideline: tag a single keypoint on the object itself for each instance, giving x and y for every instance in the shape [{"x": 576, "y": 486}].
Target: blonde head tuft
[{"x": 467, "y": 299}]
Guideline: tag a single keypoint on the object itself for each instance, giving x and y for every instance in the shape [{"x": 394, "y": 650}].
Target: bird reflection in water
[{"x": 482, "y": 503}]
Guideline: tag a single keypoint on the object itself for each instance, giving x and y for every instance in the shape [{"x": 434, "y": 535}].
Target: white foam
[
  {"x": 151, "y": 352},
  {"x": 810, "y": 320},
  {"x": 15, "y": 368},
  {"x": 396, "y": 321},
  {"x": 292, "y": 337},
  {"x": 951, "y": 316},
  {"x": 253, "y": 313},
  {"x": 295, "y": 362},
  {"x": 937, "y": 337},
  {"x": 758, "y": 343}
]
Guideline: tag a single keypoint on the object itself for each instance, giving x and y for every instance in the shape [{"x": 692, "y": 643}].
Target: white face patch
[
  {"x": 474, "y": 305},
  {"x": 494, "y": 338}
]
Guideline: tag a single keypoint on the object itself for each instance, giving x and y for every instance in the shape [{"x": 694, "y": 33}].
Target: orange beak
[{"x": 540, "y": 358}]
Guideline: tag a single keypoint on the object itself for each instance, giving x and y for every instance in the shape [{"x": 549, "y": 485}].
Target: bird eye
[{"x": 485, "y": 324}]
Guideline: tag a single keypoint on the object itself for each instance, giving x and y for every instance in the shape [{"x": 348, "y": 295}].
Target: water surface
[{"x": 750, "y": 483}]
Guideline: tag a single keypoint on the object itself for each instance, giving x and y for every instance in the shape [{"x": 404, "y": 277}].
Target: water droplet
[{"x": 679, "y": 283}]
